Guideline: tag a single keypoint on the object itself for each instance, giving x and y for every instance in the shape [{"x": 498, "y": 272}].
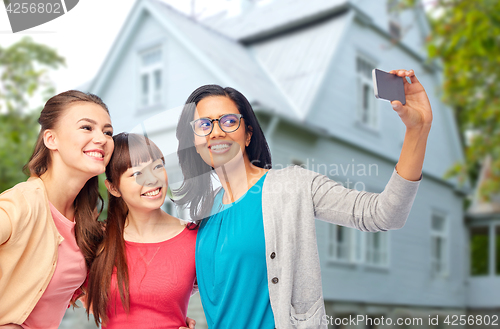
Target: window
[
  {"x": 367, "y": 113},
  {"x": 479, "y": 251},
  {"x": 339, "y": 243},
  {"x": 376, "y": 248},
  {"x": 439, "y": 244},
  {"x": 353, "y": 246},
  {"x": 393, "y": 10},
  {"x": 151, "y": 72}
]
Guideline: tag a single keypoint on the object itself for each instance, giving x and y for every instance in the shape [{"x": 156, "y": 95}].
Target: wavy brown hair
[
  {"x": 130, "y": 150},
  {"x": 88, "y": 230}
]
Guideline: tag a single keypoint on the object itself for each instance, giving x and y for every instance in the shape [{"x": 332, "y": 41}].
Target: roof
[
  {"x": 259, "y": 21},
  {"x": 230, "y": 57},
  {"x": 480, "y": 207},
  {"x": 299, "y": 60}
]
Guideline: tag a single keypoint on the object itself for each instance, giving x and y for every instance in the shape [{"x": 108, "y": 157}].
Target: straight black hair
[{"x": 196, "y": 191}]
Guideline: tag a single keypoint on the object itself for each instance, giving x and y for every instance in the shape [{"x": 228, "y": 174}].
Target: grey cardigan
[{"x": 291, "y": 199}]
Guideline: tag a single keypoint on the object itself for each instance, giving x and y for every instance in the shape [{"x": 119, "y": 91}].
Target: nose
[
  {"x": 99, "y": 137},
  {"x": 216, "y": 131},
  {"x": 147, "y": 178}
]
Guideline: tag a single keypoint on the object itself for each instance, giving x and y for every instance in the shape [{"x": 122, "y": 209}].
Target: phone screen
[{"x": 388, "y": 86}]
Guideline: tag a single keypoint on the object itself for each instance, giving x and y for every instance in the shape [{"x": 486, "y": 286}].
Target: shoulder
[
  {"x": 31, "y": 190},
  {"x": 20, "y": 204},
  {"x": 292, "y": 173}
]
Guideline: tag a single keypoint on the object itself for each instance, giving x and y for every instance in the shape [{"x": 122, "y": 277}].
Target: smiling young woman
[
  {"x": 256, "y": 255},
  {"x": 48, "y": 225},
  {"x": 144, "y": 273}
]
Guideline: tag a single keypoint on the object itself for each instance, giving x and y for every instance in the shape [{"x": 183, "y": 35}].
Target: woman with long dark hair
[
  {"x": 144, "y": 272},
  {"x": 48, "y": 225},
  {"x": 256, "y": 255}
]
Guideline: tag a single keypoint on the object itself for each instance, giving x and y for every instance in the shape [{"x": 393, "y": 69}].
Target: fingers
[
  {"x": 190, "y": 322},
  {"x": 405, "y": 73},
  {"x": 397, "y": 106}
]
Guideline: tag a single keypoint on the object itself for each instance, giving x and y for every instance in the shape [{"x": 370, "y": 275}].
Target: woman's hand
[
  {"x": 11, "y": 326},
  {"x": 189, "y": 322},
  {"x": 417, "y": 112}
]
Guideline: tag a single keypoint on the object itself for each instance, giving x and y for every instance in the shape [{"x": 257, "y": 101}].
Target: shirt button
[
  {"x": 273, "y": 254},
  {"x": 274, "y": 280}
]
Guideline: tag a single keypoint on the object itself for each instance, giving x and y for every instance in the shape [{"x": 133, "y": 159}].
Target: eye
[
  {"x": 229, "y": 120},
  {"x": 137, "y": 173},
  {"x": 109, "y": 133},
  {"x": 203, "y": 124},
  {"x": 158, "y": 166},
  {"x": 86, "y": 127}
]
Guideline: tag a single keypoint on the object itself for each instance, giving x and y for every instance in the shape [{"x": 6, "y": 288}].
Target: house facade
[{"x": 305, "y": 66}]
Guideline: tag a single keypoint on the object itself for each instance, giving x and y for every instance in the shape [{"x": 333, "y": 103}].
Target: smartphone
[{"x": 388, "y": 86}]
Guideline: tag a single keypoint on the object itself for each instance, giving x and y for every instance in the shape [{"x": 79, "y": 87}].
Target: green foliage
[
  {"x": 24, "y": 70},
  {"x": 479, "y": 257},
  {"x": 466, "y": 37}
]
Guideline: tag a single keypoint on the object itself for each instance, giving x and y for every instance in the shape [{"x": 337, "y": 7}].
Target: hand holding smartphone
[{"x": 388, "y": 86}]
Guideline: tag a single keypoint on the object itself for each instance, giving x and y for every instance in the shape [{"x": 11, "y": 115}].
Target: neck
[
  {"x": 63, "y": 188},
  {"x": 237, "y": 177},
  {"x": 150, "y": 226}
]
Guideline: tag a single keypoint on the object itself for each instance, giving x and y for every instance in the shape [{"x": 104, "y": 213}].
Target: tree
[
  {"x": 24, "y": 68},
  {"x": 465, "y": 37}
]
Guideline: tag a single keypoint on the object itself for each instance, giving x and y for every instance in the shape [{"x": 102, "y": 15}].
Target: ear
[
  {"x": 112, "y": 189},
  {"x": 249, "y": 135},
  {"x": 49, "y": 139}
]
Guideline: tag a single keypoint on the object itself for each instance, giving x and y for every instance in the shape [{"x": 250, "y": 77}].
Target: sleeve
[
  {"x": 13, "y": 209},
  {"x": 363, "y": 210}
]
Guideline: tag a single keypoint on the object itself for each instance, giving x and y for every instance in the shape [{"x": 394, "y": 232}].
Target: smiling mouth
[
  {"x": 220, "y": 147},
  {"x": 153, "y": 192},
  {"x": 94, "y": 154}
]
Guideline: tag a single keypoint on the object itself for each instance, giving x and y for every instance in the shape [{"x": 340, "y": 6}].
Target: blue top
[{"x": 231, "y": 264}]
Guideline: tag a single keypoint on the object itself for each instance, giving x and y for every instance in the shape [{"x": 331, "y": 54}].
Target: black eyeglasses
[{"x": 227, "y": 123}]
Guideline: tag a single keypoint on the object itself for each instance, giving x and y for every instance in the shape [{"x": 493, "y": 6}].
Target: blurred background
[{"x": 306, "y": 68}]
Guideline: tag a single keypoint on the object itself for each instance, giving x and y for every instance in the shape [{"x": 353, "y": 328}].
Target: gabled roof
[
  {"x": 479, "y": 207},
  {"x": 226, "y": 56},
  {"x": 299, "y": 60},
  {"x": 227, "y": 59},
  {"x": 260, "y": 21}
]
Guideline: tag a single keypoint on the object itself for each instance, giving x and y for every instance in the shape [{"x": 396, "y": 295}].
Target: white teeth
[
  {"x": 94, "y": 154},
  {"x": 219, "y": 147},
  {"x": 152, "y": 193}
]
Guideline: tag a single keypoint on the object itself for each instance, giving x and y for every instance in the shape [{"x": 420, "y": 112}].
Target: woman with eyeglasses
[{"x": 257, "y": 261}]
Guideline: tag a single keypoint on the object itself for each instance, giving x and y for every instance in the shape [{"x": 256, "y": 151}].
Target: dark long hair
[
  {"x": 130, "y": 150},
  {"x": 196, "y": 190},
  {"x": 88, "y": 231}
]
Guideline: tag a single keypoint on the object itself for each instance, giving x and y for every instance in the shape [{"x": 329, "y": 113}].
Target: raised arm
[
  {"x": 389, "y": 209},
  {"x": 363, "y": 210},
  {"x": 416, "y": 114}
]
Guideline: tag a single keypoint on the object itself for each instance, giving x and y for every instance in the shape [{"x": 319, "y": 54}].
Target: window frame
[
  {"x": 364, "y": 83},
  {"x": 444, "y": 235},
  {"x": 155, "y": 95}
]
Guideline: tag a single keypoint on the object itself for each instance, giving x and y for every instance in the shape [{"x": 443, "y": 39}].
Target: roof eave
[{"x": 296, "y": 24}]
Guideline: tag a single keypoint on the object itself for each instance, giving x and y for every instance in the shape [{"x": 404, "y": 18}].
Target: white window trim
[
  {"x": 362, "y": 81},
  {"x": 444, "y": 234},
  {"x": 332, "y": 240},
  {"x": 150, "y": 71},
  {"x": 387, "y": 237}
]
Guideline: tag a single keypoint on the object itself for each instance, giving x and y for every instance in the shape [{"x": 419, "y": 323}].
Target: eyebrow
[{"x": 95, "y": 123}]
